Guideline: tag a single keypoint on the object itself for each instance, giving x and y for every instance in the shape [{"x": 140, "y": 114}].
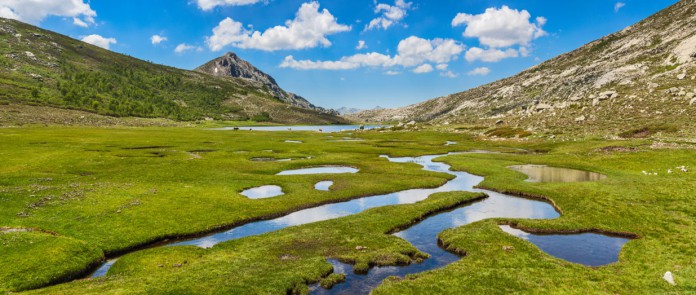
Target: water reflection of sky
[
  {"x": 323, "y": 185},
  {"x": 262, "y": 192},
  {"x": 422, "y": 235},
  {"x": 587, "y": 249},
  {"x": 320, "y": 170}
]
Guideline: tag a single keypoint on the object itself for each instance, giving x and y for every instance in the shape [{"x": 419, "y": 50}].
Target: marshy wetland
[{"x": 73, "y": 198}]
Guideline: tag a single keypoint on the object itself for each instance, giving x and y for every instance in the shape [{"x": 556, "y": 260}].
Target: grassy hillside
[
  {"x": 639, "y": 78},
  {"x": 42, "y": 68}
]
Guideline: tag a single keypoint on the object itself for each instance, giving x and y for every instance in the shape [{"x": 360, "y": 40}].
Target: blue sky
[{"x": 412, "y": 50}]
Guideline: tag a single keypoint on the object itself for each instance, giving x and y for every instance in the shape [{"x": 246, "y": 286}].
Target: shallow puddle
[
  {"x": 448, "y": 143},
  {"x": 263, "y": 192},
  {"x": 293, "y": 141},
  {"x": 321, "y": 170},
  {"x": 588, "y": 249},
  {"x": 323, "y": 186},
  {"x": 541, "y": 173}
]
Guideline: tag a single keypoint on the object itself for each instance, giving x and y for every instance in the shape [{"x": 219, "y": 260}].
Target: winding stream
[{"x": 422, "y": 235}]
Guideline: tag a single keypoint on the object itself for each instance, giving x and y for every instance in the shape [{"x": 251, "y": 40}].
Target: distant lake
[{"x": 322, "y": 128}]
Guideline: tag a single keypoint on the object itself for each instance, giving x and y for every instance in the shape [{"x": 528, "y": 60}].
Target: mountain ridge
[
  {"x": 231, "y": 65},
  {"x": 41, "y": 69},
  {"x": 641, "y": 75}
]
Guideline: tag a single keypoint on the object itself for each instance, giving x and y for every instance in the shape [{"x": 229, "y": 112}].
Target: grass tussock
[
  {"x": 508, "y": 132},
  {"x": 647, "y": 131}
]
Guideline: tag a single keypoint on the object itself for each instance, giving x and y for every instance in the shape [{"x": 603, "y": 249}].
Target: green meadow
[{"x": 71, "y": 197}]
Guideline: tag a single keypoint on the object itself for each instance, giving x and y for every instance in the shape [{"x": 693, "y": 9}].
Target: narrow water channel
[{"x": 422, "y": 235}]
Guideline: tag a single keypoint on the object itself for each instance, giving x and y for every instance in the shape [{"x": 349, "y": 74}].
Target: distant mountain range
[
  {"x": 41, "y": 70},
  {"x": 638, "y": 78},
  {"x": 349, "y": 111}
]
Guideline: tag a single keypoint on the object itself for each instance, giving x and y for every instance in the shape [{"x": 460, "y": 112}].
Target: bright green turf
[{"x": 110, "y": 199}]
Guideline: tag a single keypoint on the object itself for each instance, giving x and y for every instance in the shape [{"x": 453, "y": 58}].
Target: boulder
[
  {"x": 681, "y": 93},
  {"x": 692, "y": 102},
  {"x": 690, "y": 95},
  {"x": 580, "y": 119},
  {"x": 575, "y": 98},
  {"x": 681, "y": 76},
  {"x": 542, "y": 107},
  {"x": 595, "y": 102},
  {"x": 669, "y": 278},
  {"x": 608, "y": 95}
]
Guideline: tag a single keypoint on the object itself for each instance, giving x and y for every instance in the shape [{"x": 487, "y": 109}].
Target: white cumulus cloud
[
  {"x": 100, "y": 41},
  {"x": 290, "y": 62},
  {"x": 413, "y": 52},
  {"x": 389, "y": 15},
  {"x": 309, "y": 29},
  {"x": 34, "y": 11},
  {"x": 482, "y": 71},
  {"x": 183, "y": 47},
  {"x": 449, "y": 74},
  {"x": 489, "y": 55},
  {"x": 157, "y": 39},
  {"x": 210, "y": 4},
  {"x": 502, "y": 27},
  {"x": 361, "y": 45},
  {"x": 423, "y": 69}
]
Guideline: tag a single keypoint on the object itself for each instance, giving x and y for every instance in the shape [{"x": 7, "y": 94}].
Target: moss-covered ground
[{"x": 90, "y": 193}]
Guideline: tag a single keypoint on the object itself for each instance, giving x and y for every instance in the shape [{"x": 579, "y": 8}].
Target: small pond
[
  {"x": 262, "y": 192},
  {"x": 323, "y": 186},
  {"x": 588, "y": 249},
  {"x": 541, "y": 173},
  {"x": 321, "y": 170}
]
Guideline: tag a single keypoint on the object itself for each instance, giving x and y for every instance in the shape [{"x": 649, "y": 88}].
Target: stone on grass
[
  {"x": 681, "y": 76},
  {"x": 669, "y": 278}
]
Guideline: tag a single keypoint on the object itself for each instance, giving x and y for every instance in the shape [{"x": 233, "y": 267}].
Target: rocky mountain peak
[{"x": 231, "y": 65}]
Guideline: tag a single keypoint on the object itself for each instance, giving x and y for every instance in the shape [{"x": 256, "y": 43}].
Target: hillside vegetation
[
  {"x": 637, "y": 78},
  {"x": 42, "y": 68}
]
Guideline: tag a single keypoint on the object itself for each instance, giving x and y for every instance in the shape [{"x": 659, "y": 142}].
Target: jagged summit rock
[{"x": 231, "y": 65}]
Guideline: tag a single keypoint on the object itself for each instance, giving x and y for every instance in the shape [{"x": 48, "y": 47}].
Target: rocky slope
[
  {"x": 349, "y": 111},
  {"x": 41, "y": 70},
  {"x": 231, "y": 65},
  {"x": 641, "y": 76}
]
